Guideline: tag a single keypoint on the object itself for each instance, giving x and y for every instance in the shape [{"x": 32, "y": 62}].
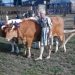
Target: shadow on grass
[{"x": 6, "y": 48}]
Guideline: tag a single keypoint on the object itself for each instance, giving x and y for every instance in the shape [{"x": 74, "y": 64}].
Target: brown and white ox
[{"x": 30, "y": 31}]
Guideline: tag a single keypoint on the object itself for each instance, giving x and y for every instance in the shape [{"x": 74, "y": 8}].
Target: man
[{"x": 46, "y": 26}]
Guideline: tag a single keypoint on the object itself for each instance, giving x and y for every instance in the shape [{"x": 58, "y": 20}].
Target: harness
[
  {"x": 44, "y": 23},
  {"x": 15, "y": 24}
]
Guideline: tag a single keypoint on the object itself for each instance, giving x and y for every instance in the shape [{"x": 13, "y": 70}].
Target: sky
[{"x": 8, "y": 1}]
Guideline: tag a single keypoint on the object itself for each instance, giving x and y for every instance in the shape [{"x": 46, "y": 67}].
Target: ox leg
[
  {"x": 25, "y": 52},
  {"x": 52, "y": 40},
  {"x": 64, "y": 47},
  {"x": 17, "y": 49},
  {"x": 39, "y": 44},
  {"x": 57, "y": 44},
  {"x": 48, "y": 57},
  {"x": 12, "y": 45},
  {"x": 29, "y": 44},
  {"x": 29, "y": 52},
  {"x": 41, "y": 53}
]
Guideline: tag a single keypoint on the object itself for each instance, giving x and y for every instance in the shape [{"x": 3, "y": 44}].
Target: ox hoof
[
  {"x": 48, "y": 57},
  {"x": 17, "y": 52},
  {"x": 28, "y": 56},
  {"x": 38, "y": 59},
  {"x": 64, "y": 51},
  {"x": 12, "y": 51},
  {"x": 56, "y": 51}
]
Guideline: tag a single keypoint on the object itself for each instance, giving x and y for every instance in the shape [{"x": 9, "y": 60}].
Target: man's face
[
  {"x": 38, "y": 13},
  {"x": 42, "y": 15}
]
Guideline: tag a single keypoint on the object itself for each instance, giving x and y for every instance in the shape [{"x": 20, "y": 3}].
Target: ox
[
  {"x": 7, "y": 26},
  {"x": 30, "y": 31},
  {"x": 58, "y": 31},
  {"x": 57, "y": 34}
]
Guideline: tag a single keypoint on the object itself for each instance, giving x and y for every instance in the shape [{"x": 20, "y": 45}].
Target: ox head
[{"x": 10, "y": 32}]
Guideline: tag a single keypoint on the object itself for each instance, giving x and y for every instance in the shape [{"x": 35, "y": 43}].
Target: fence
[
  {"x": 13, "y": 11},
  {"x": 59, "y": 8},
  {"x": 53, "y": 8}
]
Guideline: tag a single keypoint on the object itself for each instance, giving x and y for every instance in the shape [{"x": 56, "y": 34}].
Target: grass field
[{"x": 60, "y": 63}]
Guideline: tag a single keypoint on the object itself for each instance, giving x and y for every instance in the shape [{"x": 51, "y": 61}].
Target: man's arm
[
  {"x": 50, "y": 27},
  {"x": 49, "y": 23}
]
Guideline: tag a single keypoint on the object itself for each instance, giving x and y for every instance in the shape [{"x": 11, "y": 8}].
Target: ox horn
[
  {"x": 13, "y": 27},
  {"x": 2, "y": 27}
]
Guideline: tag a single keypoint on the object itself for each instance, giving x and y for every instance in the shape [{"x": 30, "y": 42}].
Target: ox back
[{"x": 30, "y": 28}]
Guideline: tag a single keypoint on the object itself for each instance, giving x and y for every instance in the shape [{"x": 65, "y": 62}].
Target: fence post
[{"x": 74, "y": 20}]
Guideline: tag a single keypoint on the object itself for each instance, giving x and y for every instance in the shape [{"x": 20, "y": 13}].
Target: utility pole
[{"x": 1, "y": 8}]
